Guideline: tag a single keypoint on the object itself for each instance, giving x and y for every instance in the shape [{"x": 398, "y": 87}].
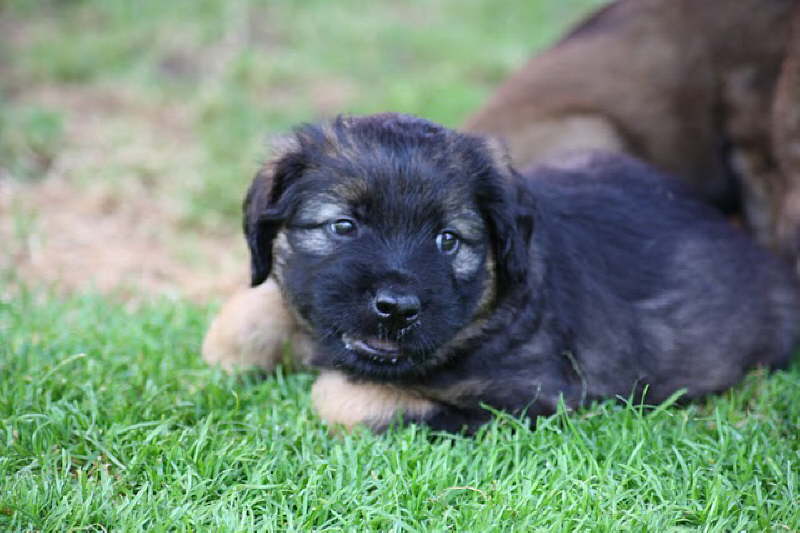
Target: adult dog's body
[
  {"x": 707, "y": 91},
  {"x": 433, "y": 278}
]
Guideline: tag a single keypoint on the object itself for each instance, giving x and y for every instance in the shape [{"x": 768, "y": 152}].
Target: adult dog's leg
[
  {"x": 786, "y": 145},
  {"x": 252, "y": 329}
]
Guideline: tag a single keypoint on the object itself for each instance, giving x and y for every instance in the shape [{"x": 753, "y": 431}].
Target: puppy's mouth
[{"x": 380, "y": 351}]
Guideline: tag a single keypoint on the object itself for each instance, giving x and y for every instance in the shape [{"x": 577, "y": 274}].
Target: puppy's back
[{"x": 708, "y": 302}]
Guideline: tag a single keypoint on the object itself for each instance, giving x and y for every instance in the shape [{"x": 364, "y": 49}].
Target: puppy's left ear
[
  {"x": 511, "y": 224},
  {"x": 265, "y": 207}
]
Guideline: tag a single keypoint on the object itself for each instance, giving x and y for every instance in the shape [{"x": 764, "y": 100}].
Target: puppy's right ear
[
  {"x": 511, "y": 227},
  {"x": 266, "y": 208}
]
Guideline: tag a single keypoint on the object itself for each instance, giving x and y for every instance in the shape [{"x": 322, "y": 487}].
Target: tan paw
[
  {"x": 339, "y": 401},
  {"x": 251, "y": 330}
]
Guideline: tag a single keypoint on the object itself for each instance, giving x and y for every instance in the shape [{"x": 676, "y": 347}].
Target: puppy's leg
[
  {"x": 251, "y": 330},
  {"x": 340, "y": 401}
]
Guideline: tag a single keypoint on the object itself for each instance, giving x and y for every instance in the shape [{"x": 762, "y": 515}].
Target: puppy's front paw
[
  {"x": 250, "y": 330},
  {"x": 339, "y": 401}
]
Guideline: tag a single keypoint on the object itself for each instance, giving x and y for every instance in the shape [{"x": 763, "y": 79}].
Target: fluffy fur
[
  {"x": 252, "y": 330},
  {"x": 594, "y": 278},
  {"x": 665, "y": 81}
]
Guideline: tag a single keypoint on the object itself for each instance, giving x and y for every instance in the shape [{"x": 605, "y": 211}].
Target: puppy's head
[{"x": 389, "y": 235}]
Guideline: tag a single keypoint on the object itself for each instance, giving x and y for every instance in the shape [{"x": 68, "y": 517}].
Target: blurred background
[{"x": 129, "y": 130}]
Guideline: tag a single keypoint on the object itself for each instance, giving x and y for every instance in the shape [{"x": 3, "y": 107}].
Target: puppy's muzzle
[{"x": 396, "y": 309}]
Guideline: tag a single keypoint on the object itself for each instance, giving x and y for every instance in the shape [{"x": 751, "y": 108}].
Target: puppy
[{"x": 434, "y": 279}]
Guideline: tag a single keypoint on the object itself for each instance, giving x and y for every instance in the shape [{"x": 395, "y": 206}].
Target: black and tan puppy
[{"x": 433, "y": 278}]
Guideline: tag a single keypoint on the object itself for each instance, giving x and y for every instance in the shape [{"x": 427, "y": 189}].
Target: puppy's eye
[
  {"x": 342, "y": 227},
  {"x": 447, "y": 242}
]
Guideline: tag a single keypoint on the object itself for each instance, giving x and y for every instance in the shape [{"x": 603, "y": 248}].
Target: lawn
[{"x": 138, "y": 125}]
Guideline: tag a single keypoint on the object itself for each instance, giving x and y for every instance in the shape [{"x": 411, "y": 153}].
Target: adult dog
[
  {"x": 707, "y": 91},
  {"x": 434, "y": 279}
]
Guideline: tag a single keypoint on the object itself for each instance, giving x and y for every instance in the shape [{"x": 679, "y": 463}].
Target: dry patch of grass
[
  {"x": 93, "y": 239},
  {"x": 108, "y": 211}
]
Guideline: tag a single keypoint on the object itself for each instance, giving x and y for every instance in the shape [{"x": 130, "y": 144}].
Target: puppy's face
[{"x": 381, "y": 232}]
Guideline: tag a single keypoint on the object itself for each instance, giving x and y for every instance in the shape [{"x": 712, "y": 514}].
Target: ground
[{"x": 128, "y": 133}]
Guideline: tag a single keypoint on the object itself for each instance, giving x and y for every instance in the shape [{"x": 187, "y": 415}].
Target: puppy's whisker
[
  {"x": 402, "y": 333},
  {"x": 331, "y": 333}
]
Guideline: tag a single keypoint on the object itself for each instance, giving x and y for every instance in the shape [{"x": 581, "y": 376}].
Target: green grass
[
  {"x": 110, "y": 421},
  {"x": 29, "y": 139}
]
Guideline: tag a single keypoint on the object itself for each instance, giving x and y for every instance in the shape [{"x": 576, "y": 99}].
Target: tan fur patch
[
  {"x": 461, "y": 393},
  {"x": 280, "y": 251},
  {"x": 547, "y": 138},
  {"x": 500, "y": 155},
  {"x": 339, "y": 401},
  {"x": 314, "y": 241},
  {"x": 322, "y": 208},
  {"x": 281, "y": 248},
  {"x": 489, "y": 287},
  {"x": 786, "y": 146},
  {"x": 251, "y": 330},
  {"x": 570, "y": 160},
  {"x": 337, "y": 147},
  {"x": 350, "y": 190},
  {"x": 319, "y": 210}
]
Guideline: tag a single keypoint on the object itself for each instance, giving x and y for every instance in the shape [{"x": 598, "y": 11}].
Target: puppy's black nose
[{"x": 399, "y": 308}]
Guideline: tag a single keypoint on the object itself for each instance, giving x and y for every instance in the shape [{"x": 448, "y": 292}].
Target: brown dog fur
[
  {"x": 786, "y": 140},
  {"x": 688, "y": 86}
]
